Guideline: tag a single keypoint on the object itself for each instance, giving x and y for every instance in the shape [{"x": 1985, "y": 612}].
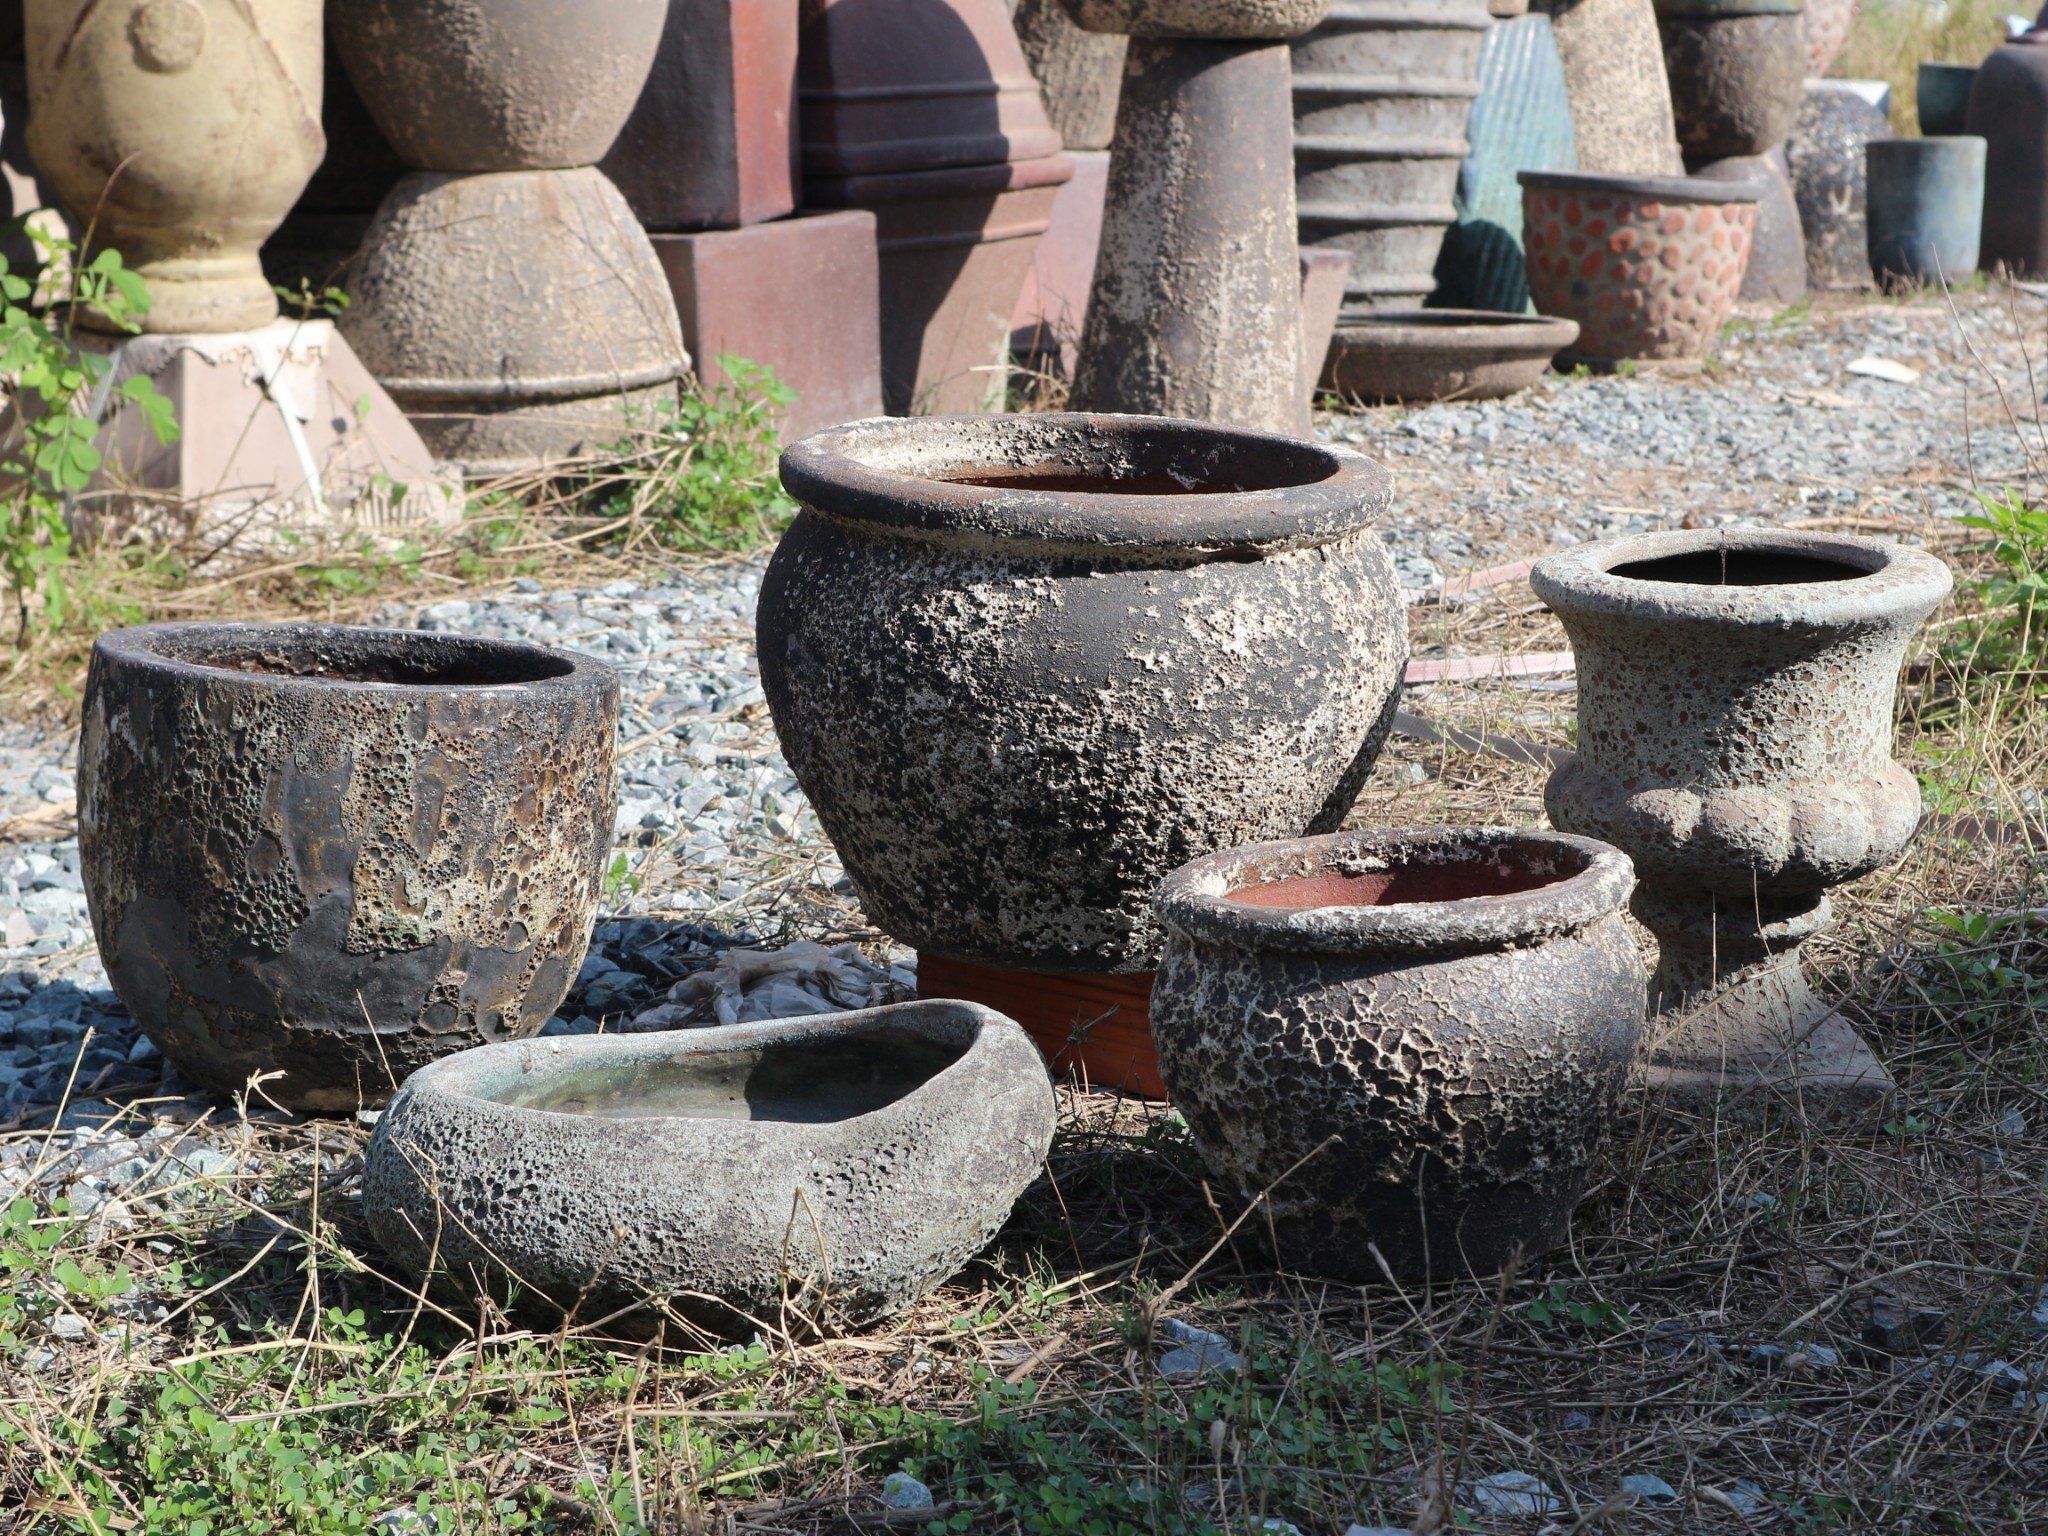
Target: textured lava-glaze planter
[
  {"x": 1925, "y": 209},
  {"x": 209, "y": 110},
  {"x": 1455, "y": 1010},
  {"x": 1737, "y": 69},
  {"x": 1023, "y": 666},
  {"x": 2009, "y": 111},
  {"x": 1648, "y": 266},
  {"x": 1442, "y": 354},
  {"x": 801, "y": 1175},
  {"x": 331, "y": 855},
  {"x": 1735, "y": 728},
  {"x": 1826, "y": 154}
]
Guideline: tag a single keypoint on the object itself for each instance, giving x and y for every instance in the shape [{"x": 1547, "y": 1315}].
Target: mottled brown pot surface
[
  {"x": 1737, "y": 70},
  {"x": 1414, "y": 1039},
  {"x": 336, "y": 854},
  {"x": 1442, "y": 354},
  {"x": 1023, "y": 666},
  {"x": 808, "y": 1175}
]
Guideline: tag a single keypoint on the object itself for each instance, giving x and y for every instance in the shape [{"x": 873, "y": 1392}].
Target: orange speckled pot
[{"x": 1648, "y": 265}]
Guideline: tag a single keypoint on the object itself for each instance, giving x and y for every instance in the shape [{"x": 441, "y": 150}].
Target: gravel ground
[{"x": 713, "y": 833}]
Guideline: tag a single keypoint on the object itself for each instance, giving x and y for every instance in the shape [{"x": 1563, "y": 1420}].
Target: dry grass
[{"x": 1891, "y": 39}]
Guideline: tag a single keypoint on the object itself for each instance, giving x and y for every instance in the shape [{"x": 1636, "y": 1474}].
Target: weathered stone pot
[
  {"x": 1735, "y": 725},
  {"x": 1925, "y": 209},
  {"x": 796, "y": 1176},
  {"x": 210, "y": 112},
  {"x": 1023, "y": 666},
  {"x": 1442, "y": 354},
  {"x": 1456, "y": 1010},
  {"x": 499, "y": 85},
  {"x": 1737, "y": 71},
  {"x": 1941, "y": 98},
  {"x": 1826, "y": 155},
  {"x": 1621, "y": 99},
  {"x": 1649, "y": 266},
  {"x": 2009, "y": 111},
  {"x": 330, "y": 855}
]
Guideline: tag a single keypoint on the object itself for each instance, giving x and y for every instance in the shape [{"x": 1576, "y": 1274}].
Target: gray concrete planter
[
  {"x": 1024, "y": 666},
  {"x": 1458, "y": 1007},
  {"x": 1735, "y": 727},
  {"x": 800, "y": 1176},
  {"x": 331, "y": 855}
]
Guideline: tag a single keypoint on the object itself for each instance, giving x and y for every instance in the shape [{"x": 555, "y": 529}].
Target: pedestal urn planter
[
  {"x": 1025, "y": 666},
  {"x": 1455, "y": 1011},
  {"x": 807, "y": 1176},
  {"x": 1648, "y": 266},
  {"x": 329, "y": 855},
  {"x": 1736, "y": 690},
  {"x": 1826, "y": 152},
  {"x": 183, "y": 130}
]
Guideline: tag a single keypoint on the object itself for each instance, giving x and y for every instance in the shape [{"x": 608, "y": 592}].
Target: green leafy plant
[{"x": 2011, "y": 635}]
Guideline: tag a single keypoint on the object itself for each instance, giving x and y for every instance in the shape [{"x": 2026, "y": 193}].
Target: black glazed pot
[
  {"x": 1024, "y": 666},
  {"x": 336, "y": 854},
  {"x": 1460, "y": 1007}
]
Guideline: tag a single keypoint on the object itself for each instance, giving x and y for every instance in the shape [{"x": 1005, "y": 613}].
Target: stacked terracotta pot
[{"x": 924, "y": 113}]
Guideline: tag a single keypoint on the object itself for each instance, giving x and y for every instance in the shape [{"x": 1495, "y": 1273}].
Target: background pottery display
[
  {"x": 1458, "y": 1009},
  {"x": 1736, "y": 690},
  {"x": 1443, "y": 354},
  {"x": 1649, "y": 267},
  {"x": 210, "y": 112},
  {"x": 331, "y": 855},
  {"x": 1521, "y": 120},
  {"x": 1925, "y": 209},
  {"x": 2009, "y": 111},
  {"x": 1777, "y": 247},
  {"x": 1080, "y": 72},
  {"x": 1382, "y": 90},
  {"x": 1620, "y": 97},
  {"x": 803, "y": 1176},
  {"x": 1826, "y": 154},
  {"x": 1827, "y": 28},
  {"x": 1024, "y": 666},
  {"x": 1941, "y": 98},
  {"x": 1736, "y": 69}
]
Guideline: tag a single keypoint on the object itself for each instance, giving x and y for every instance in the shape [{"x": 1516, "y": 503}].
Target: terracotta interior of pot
[
  {"x": 421, "y": 662},
  {"x": 1419, "y": 881},
  {"x": 1740, "y": 568},
  {"x": 803, "y": 1082}
]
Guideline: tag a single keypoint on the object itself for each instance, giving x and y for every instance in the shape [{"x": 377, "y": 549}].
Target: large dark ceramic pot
[
  {"x": 1023, "y": 666},
  {"x": 1413, "y": 1039},
  {"x": 1736, "y": 68},
  {"x": 331, "y": 855},
  {"x": 2009, "y": 111}
]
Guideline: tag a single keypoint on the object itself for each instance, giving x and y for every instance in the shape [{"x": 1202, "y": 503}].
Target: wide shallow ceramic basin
[
  {"x": 1442, "y": 354},
  {"x": 798, "y": 1176}
]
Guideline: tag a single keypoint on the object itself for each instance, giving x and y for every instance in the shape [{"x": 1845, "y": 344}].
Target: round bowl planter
[
  {"x": 1649, "y": 266},
  {"x": 1413, "y": 1039},
  {"x": 331, "y": 855},
  {"x": 796, "y": 1176},
  {"x": 1024, "y": 666},
  {"x": 1924, "y": 209},
  {"x": 1941, "y": 97},
  {"x": 1738, "y": 72},
  {"x": 1442, "y": 354}
]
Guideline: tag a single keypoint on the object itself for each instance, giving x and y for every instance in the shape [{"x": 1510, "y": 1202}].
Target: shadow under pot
[
  {"x": 801, "y": 1176},
  {"x": 1411, "y": 1041},
  {"x": 1025, "y": 666},
  {"x": 330, "y": 855}
]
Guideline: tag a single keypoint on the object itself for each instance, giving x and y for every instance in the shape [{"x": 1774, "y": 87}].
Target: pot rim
[
  {"x": 136, "y": 648},
  {"x": 1715, "y": 10},
  {"x": 1194, "y": 900},
  {"x": 1430, "y": 330},
  {"x": 1899, "y": 580},
  {"x": 1329, "y": 491},
  {"x": 1670, "y": 189}
]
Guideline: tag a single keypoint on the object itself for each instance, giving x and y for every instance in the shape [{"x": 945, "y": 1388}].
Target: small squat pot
[
  {"x": 1941, "y": 95},
  {"x": 1442, "y": 354},
  {"x": 1649, "y": 266},
  {"x": 331, "y": 855},
  {"x": 1924, "y": 208},
  {"x": 802, "y": 1176},
  {"x": 1414, "y": 1040}
]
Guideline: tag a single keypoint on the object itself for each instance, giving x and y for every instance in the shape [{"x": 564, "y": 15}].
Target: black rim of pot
[
  {"x": 889, "y": 473},
  {"x": 1670, "y": 189},
  {"x": 1195, "y": 900}
]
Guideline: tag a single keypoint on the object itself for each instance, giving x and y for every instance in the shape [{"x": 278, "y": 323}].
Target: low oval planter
[
  {"x": 1442, "y": 354},
  {"x": 335, "y": 854},
  {"x": 1649, "y": 266},
  {"x": 806, "y": 1175},
  {"x": 1458, "y": 1007},
  {"x": 1024, "y": 666},
  {"x": 1924, "y": 209}
]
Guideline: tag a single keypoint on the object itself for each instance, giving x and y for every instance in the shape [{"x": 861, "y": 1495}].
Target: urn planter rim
[
  {"x": 1554, "y": 883},
  {"x": 534, "y": 669},
  {"x": 905, "y": 474},
  {"x": 1891, "y": 582},
  {"x": 1672, "y": 189}
]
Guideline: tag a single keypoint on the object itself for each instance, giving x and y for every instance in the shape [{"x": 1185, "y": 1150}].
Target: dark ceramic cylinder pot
[
  {"x": 335, "y": 854},
  {"x": 1024, "y": 666},
  {"x": 1924, "y": 208},
  {"x": 1941, "y": 98},
  {"x": 1455, "y": 1010},
  {"x": 2009, "y": 110},
  {"x": 1737, "y": 71}
]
